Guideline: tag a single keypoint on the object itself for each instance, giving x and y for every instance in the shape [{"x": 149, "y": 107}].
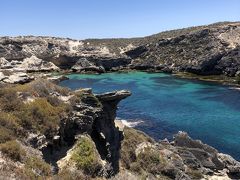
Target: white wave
[
  {"x": 235, "y": 88},
  {"x": 130, "y": 123}
]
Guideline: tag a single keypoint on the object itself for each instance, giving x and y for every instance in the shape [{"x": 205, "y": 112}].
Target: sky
[{"x": 81, "y": 19}]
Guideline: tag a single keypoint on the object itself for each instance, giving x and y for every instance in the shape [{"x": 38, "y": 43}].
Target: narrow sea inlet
[{"x": 164, "y": 104}]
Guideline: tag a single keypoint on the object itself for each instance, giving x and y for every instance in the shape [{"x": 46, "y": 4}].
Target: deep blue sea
[{"x": 165, "y": 104}]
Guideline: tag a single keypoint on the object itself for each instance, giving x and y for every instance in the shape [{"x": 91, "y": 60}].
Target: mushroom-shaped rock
[{"x": 113, "y": 96}]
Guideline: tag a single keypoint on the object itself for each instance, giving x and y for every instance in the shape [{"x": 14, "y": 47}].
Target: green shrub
[
  {"x": 9, "y": 121},
  {"x": 85, "y": 156},
  {"x": 151, "y": 161},
  {"x": 41, "y": 88},
  {"x": 42, "y": 116},
  {"x": 132, "y": 138},
  {"x": 5, "y": 135},
  {"x": 194, "y": 174},
  {"x": 35, "y": 167},
  {"x": 13, "y": 150},
  {"x": 238, "y": 79},
  {"x": 80, "y": 96},
  {"x": 71, "y": 175},
  {"x": 9, "y": 100}
]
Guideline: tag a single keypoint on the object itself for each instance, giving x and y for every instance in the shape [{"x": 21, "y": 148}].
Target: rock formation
[
  {"x": 72, "y": 134},
  {"x": 202, "y": 50}
]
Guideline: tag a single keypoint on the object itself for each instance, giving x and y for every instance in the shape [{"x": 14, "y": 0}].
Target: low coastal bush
[
  {"x": 194, "y": 174},
  {"x": 5, "y": 135},
  {"x": 72, "y": 175},
  {"x": 132, "y": 138},
  {"x": 81, "y": 96},
  {"x": 40, "y": 115},
  {"x": 10, "y": 122},
  {"x": 35, "y": 168},
  {"x": 41, "y": 88},
  {"x": 150, "y": 161},
  {"x": 85, "y": 156},
  {"x": 9, "y": 101},
  {"x": 13, "y": 150},
  {"x": 238, "y": 79}
]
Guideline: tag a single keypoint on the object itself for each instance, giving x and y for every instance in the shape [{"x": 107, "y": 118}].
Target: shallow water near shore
[{"x": 164, "y": 104}]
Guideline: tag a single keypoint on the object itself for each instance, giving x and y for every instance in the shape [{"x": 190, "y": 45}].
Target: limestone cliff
[
  {"x": 50, "y": 132},
  {"x": 204, "y": 50}
]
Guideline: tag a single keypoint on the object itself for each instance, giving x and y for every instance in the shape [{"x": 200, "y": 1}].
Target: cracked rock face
[
  {"x": 96, "y": 119},
  {"x": 202, "y": 50},
  {"x": 185, "y": 158},
  {"x": 205, "y": 51},
  {"x": 16, "y": 78},
  {"x": 35, "y": 64}
]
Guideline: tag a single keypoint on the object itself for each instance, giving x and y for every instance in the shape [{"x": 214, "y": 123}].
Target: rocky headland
[
  {"x": 211, "y": 50},
  {"x": 51, "y": 132}
]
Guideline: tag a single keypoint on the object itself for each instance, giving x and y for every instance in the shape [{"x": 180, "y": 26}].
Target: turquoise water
[{"x": 167, "y": 104}]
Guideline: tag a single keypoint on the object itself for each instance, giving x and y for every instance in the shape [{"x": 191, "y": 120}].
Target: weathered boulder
[
  {"x": 2, "y": 76},
  {"x": 4, "y": 64},
  {"x": 231, "y": 164},
  {"x": 35, "y": 64},
  {"x": 18, "y": 78},
  {"x": 205, "y": 154},
  {"x": 83, "y": 65}
]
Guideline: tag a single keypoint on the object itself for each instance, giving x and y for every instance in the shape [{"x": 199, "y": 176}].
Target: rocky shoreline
[
  {"x": 72, "y": 134},
  {"x": 211, "y": 50},
  {"x": 88, "y": 121}
]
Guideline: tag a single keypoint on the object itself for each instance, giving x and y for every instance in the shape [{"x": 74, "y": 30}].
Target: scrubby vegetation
[
  {"x": 194, "y": 174},
  {"x": 36, "y": 168},
  {"x": 132, "y": 138},
  {"x": 30, "y": 108},
  {"x": 71, "y": 175},
  {"x": 85, "y": 97},
  {"x": 13, "y": 150},
  {"x": 42, "y": 114},
  {"x": 5, "y": 135},
  {"x": 148, "y": 161},
  {"x": 85, "y": 156}
]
